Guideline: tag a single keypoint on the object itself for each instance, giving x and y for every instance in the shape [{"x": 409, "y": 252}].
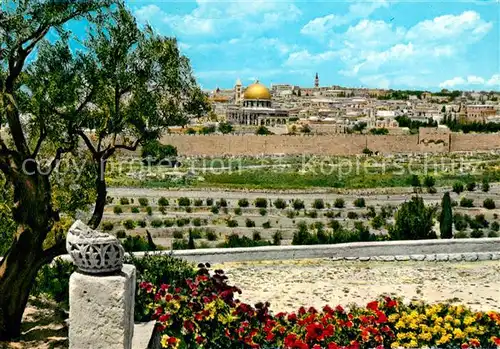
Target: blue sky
[{"x": 380, "y": 43}]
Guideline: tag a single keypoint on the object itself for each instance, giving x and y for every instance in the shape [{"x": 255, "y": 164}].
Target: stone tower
[
  {"x": 238, "y": 92},
  {"x": 316, "y": 81}
]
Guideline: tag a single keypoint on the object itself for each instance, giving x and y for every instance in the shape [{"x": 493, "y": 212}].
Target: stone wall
[{"x": 341, "y": 144}]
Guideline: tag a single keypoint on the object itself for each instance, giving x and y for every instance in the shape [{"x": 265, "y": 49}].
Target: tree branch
[
  {"x": 57, "y": 158},
  {"x": 87, "y": 141},
  {"x": 43, "y": 136},
  {"x": 57, "y": 249},
  {"x": 129, "y": 147}
]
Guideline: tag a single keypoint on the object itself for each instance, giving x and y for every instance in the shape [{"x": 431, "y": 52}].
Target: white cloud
[
  {"x": 458, "y": 81},
  {"x": 321, "y": 26},
  {"x": 307, "y": 59}
]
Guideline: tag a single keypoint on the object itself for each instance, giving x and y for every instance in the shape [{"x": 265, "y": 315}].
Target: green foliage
[
  {"x": 338, "y": 235},
  {"x": 225, "y": 127},
  {"x": 211, "y": 235},
  {"x": 129, "y": 224},
  {"x": 461, "y": 235},
  {"x": 460, "y": 222},
  {"x": 197, "y": 222},
  {"x": 183, "y": 201},
  {"x": 121, "y": 234},
  {"x": 214, "y": 209},
  {"x": 263, "y": 131},
  {"x": 117, "y": 210},
  {"x": 205, "y": 130},
  {"x": 318, "y": 204},
  {"x": 149, "y": 210},
  {"x": 135, "y": 209},
  {"x": 367, "y": 151},
  {"x": 429, "y": 181},
  {"x": 163, "y": 201},
  {"x": 312, "y": 214},
  {"x": 266, "y": 225},
  {"x": 198, "y": 202},
  {"x": 477, "y": 233},
  {"x": 143, "y": 202},
  {"x": 210, "y": 202},
  {"x": 446, "y": 217},
  {"x": 243, "y": 203},
  {"x": 155, "y": 153},
  {"x": 298, "y": 204},
  {"x": 156, "y": 223},
  {"x": 222, "y": 203},
  {"x": 231, "y": 223},
  {"x": 182, "y": 222},
  {"x": 458, "y": 187},
  {"x": 260, "y": 202},
  {"x": 495, "y": 226},
  {"x": 168, "y": 223},
  {"x": 378, "y": 222},
  {"x": 124, "y": 201},
  {"x": 465, "y": 202},
  {"x": 237, "y": 211},
  {"x": 277, "y": 237},
  {"x": 359, "y": 202},
  {"x": 142, "y": 223},
  {"x": 415, "y": 181},
  {"x": 379, "y": 131},
  {"x": 262, "y": 211},
  {"x": 485, "y": 187},
  {"x": 471, "y": 186},
  {"x": 136, "y": 243},
  {"x": 352, "y": 215},
  {"x": 178, "y": 234},
  {"x": 256, "y": 236},
  {"x": 234, "y": 240},
  {"x": 339, "y": 203},
  {"x": 414, "y": 221},
  {"x": 489, "y": 204},
  {"x": 280, "y": 204},
  {"x": 249, "y": 223},
  {"x": 107, "y": 226}
]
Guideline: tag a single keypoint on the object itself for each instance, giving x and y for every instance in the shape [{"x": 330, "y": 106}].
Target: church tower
[
  {"x": 316, "y": 81},
  {"x": 238, "y": 92}
]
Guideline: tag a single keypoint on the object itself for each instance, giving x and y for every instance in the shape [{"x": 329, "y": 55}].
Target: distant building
[
  {"x": 479, "y": 113},
  {"x": 316, "y": 81},
  {"x": 256, "y": 108}
]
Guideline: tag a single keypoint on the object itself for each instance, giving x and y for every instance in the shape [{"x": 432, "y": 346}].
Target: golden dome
[{"x": 257, "y": 91}]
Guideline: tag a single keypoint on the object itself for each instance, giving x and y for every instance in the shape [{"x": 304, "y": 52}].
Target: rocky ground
[{"x": 288, "y": 285}]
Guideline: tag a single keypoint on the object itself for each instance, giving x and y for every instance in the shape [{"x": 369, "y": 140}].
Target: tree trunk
[
  {"x": 101, "y": 196},
  {"x": 17, "y": 274}
]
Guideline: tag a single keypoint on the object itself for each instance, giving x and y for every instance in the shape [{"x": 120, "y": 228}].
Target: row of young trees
[{"x": 126, "y": 83}]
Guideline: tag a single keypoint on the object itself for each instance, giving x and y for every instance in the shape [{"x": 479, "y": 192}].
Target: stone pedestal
[{"x": 102, "y": 310}]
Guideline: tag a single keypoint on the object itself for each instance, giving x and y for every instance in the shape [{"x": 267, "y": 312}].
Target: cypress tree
[{"x": 446, "y": 217}]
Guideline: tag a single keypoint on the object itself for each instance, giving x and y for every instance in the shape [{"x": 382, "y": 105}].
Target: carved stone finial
[{"x": 94, "y": 252}]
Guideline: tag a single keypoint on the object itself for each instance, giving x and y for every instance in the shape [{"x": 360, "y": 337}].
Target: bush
[
  {"x": 124, "y": 201},
  {"x": 249, "y": 223},
  {"x": 121, "y": 234},
  {"x": 262, "y": 211},
  {"x": 318, "y": 204},
  {"x": 485, "y": 186},
  {"x": 149, "y": 210},
  {"x": 298, "y": 204},
  {"x": 182, "y": 222},
  {"x": 189, "y": 209},
  {"x": 142, "y": 223},
  {"x": 163, "y": 201},
  {"x": 378, "y": 222},
  {"x": 334, "y": 225},
  {"x": 214, "y": 209},
  {"x": 495, "y": 226},
  {"x": 291, "y": 214},
  {"x": 143, "y": 202},
  {"x": 280, "y": 204},
  {"x": 180, "y": 245},
  {"x": 231, "y": 223},
  {"x": 184, "y": 201},
  {"x": 117, "y": 210},
  {"x": 256, "y": 236},
  {"x": 461, "y": 235},
  {"x": 222, "y": 203},
  {"x": 197, "y": 222},
  {"x": 237, "y": 211},
  {"x": 136, "y": 243},
  {"x": 52, "y": 281},
  {"x": 243, "y": 203},
  {"x": 211, "y": 235},
  {"x": 277, "y": 237},
  {"x": 429, "y": 181},
  {"x": 178, "y": 234},
  {"x": 464, "y": 202},
  {"x": 195, "y": 233},
  {"x": 135, "y": 209},
  {"x": 260, "y": 202},
  {"x": 266, "y": 225},
  {"x": 458, "y": 187},
  {"x": 198, "y": 202},
  {"x": 414, "y": 221},
  {"x": 477, "y": 233},
  {"x": 460, "y": 222},
  {"x": 359, "y": 202},
  {"x": 163, "y": 210},
  {"x": 312, "y": 214},
  {"x": 262, "y": 130},
  {"x": 371, "y": 212},
  {"x": 156, "y": 223},
  {"x": 129, "y": 224},
  {"x": 492, "y": 234},
  {"x": 489, "y": 204},
  {"x": 225, "y": 127},
  {"x": 168, "y": 223},
  {"x": 234, "y": 240},
  {"x": 471, "y": 186},
  {"x": 339, "y": 203},
  {"x": 153, "y": 152},
  {"x": 210, "y": 202},
  {"x": 352, "y": 215},
  {"x": 431, "y": 190},
  {"x": 107, "y": 226}
]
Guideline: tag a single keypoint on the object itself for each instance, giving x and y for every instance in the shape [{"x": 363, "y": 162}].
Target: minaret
[
  {"x": 316, "y": 81},
  {"x": 237, "y": 92}
]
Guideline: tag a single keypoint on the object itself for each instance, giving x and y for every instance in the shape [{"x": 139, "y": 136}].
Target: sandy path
[{"x": 290, "y": 284}]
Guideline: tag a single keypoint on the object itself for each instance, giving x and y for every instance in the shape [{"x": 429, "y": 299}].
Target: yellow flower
[
  {"x": 400, "y": 324},
  {"x": 426, "y": 336},
  {"x": 448, "y": 318},
  {"x": 468, "y": 320},
  {"x": 458, "y": 334},
  {"x": 395, "y": 345},
  {"x": 444, "y": 339},
  {"x": 393, "y": 317},
  {"x": 401, "y": 335},
  {"x": 413, "y": 344},
  {"x": 456, "y": 322}
]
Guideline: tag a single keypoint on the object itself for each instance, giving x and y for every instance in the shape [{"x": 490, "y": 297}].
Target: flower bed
[{"x": 205, "y": 314}]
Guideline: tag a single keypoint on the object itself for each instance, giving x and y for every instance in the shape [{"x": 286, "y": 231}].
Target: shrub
[
  {"x": 461, "y": 235},
  {"x": 298, "y": 204},
  {"x": 414, "y": 221},
  {"x": 477, "y": 233},
  {"x": 458, "y": 187},
  {"x": 431, "y": 190},
  {"x": 243, "y": 203},
  {"x": 107, "y": 226},
  {"x": 168, "y": 223},
  {"x": 249, "y": 223},
  {"x": 262, "y": 211},
  {"x": 136, "y": 243},
  {"x": 109, "y": 200},
  {"x": 225, "y": 127},
  {"x": 234, "y": 240},
  {"x": 256, "y": 236},
  {"x": 184, "y": 201},
  {"x": 156, "y": 223},
  {"x": 222, "y": 203},
  {"x": 198, "y": 202},
  {"x": 481, "y": 221},
  {"x": 124, "y": 201},
  {"x": 429, "y": 181},
  {"x": 352, "y": 215},
  {"x": 318, "y": 204},
  {"x": 214, "y": 210},
  {"x": 334, "y": 224},
  {"x": 135, "y": 209},
  {"x": 179, "y": 244},
  {"x": 471, "y": 186},
  {"x": 262, "y": 130},
  {"x": 53, "y": 281},
  {"x": 163, "y": 201},
  {"x": 329, "y": 214},
  {"x": 378, "y": 222},
  {"x": 492, "y": 234},
  {"x": 163, "y": 210},
  {"x": 210, "y": 202},
  {"x": 237, "y": 211},
  {"x": 142, "y": 223},
  {"x": 182, "y": 222},
  {"x": 464, "y": 202},
  {"x": 489, "y": 204},
  {"x": 121, "y": 234},
  {"x": 339, "y": 203},
  {"x": 117, "y": 210},
  {"x": 149, "y": 210},
  {"x": 231, "y": 223},
  {"x": 277, "y": 237},
  {"x": 178, "y": 234},
  {"x": 495, "y": 226},
  {"x": 129, "y": 224},
  {"x": 312, "y": 214},
  {"x": 143, "y": 202},
  {"x": 460, "y": 222},
  {"x": 266, "y": 225},
  {"x": 485, "y": 186},
  {"x": 260, "y": 202},
  {"x": 280, "y": 204},
  {"x": 195, "y": 233},
  {"x": 371, "y": 212},
  {"x": 211, "y": 235},
  {"x": 359, "y": 202},
  {"x": 197, "y": 222},
  {"x": 291, "y": 214}
]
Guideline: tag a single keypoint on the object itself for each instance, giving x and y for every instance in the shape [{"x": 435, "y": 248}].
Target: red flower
[
  {"x": 333, "y": 346},
  {"x": 464, "y": 346},
  {"x": 475, "y": 343},
  {"x": 189, "y": 325},
  {"x": 172, "y": 340},
  {"x": 315, "y": 331},
  {"x": 339, "y": 309},
  {"x": 164, "y": 318},
  {"x": 292, "y": 317},
  {"x": 199, "y": 339},
  {"x": 372, "y": 305},
  {"x": 496, "y": 340},
  {"x": 165, "y": 287}
]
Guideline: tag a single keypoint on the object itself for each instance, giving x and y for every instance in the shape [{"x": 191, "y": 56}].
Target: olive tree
[{"x": 123, "y": 89}]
